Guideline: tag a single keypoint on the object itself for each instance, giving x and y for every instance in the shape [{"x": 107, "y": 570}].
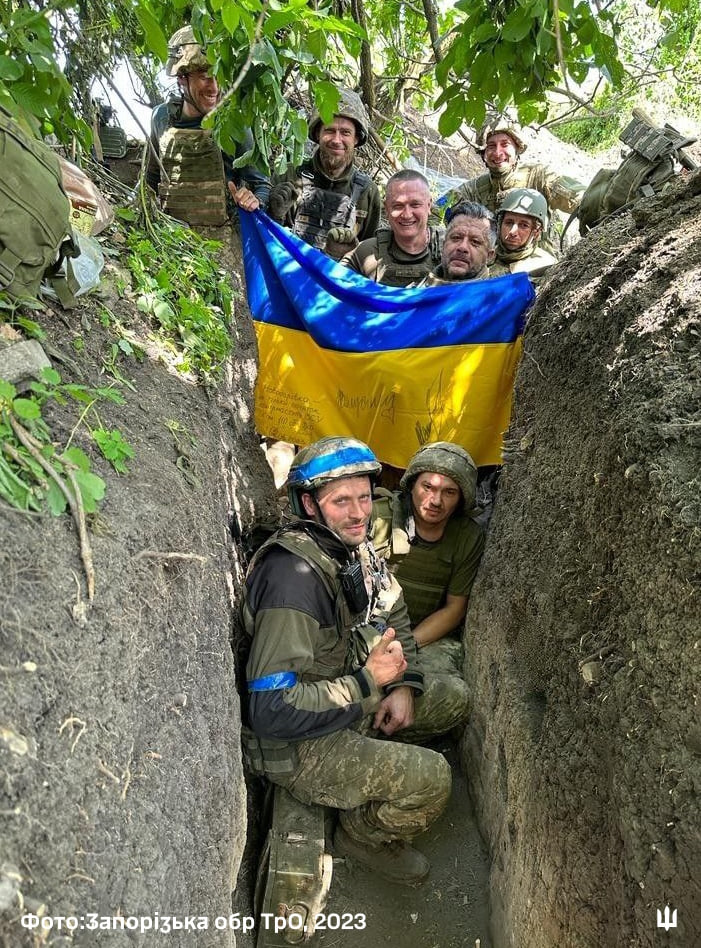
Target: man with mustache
[
  {"x": 468, "y": 247},
  {"x": 328, "y": 201},
  {"x": 433, "y": 546},
  {"x": 333, "y": 669}
]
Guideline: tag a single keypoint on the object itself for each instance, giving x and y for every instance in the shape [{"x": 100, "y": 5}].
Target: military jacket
[
  {"x": 438, "y": 278},
  {"x": 302, "y": 626},
  {"x": 535, "y": 264},
  {"x": 349, "y": 201},
  {"x": 561, "y": 192},
  {"x": 381, "y": 259},
  {"x": 427, "y": 571}
]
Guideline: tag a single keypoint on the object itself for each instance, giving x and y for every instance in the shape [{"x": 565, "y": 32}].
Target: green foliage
[
  {"x": 188, "y": 298},
  {"x": 113, "y": 447},
  {"x": 24, "y": 436},
  {"x": 514, "y": 51},
  {"x": 596, "y": 133},
  {"x": 32, "y": 84}
]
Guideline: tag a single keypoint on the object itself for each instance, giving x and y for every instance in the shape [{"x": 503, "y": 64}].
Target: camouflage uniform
[
  {"x": 530, "y": 258},
  {"x": 351, "y": 201},
  {"x": 381, "y": 259},
  {"x": 168, "y": 115},
  {"x": 310, "y": 204},
  {"x": 427, "y": 572},
  {"x": 192, "y": 161},
  {"x": 312, "y": 737},
  {"x": 535, "y": 262},
  {"x": 438, "y": 277}
]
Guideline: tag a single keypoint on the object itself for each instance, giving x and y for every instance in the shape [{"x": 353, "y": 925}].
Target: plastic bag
[{"x": 90, "y": 211}]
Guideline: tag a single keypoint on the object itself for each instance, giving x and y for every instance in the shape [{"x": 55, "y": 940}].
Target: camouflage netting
[{"x": 585, "y": 744}]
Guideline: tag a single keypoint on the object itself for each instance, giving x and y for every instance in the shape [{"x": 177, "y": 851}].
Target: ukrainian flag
[{"x": 397, "y": 368}]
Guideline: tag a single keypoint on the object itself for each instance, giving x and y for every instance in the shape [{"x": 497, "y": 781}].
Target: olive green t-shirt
[{"x": 428, "y": 571}]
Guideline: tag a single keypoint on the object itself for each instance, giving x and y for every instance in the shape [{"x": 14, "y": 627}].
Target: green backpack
[
  {"x": 642, "y": 173},
  {"x": 34, "y": 210}
]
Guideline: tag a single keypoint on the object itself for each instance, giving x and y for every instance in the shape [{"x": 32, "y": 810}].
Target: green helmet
[
  {"x": 350, "y": 106},
  {"x": 328, "y": 460},
  {"x": 185, "y": 53},
  {"x": 525, "y": 201},
  {"x": 497, "y": 122},
  {"x": 444, "y": 457}
]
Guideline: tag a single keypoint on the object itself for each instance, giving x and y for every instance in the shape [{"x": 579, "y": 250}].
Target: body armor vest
[
  {"x": 320, "y": 210},
  {"x": 196, "y": 191},
  {"x": 393, "y": 272}
]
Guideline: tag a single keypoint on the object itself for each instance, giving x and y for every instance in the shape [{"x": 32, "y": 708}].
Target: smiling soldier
[{"x": 406, "y": 251}]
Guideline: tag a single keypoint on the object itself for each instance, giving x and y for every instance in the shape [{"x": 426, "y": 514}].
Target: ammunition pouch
[{"x": 267, "y": 758}]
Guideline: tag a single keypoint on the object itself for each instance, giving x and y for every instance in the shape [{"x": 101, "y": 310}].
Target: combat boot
[{"x": 396, "y": 861}]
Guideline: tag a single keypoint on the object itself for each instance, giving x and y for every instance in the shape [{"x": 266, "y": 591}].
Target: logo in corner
[{"x": 667, "y": 920}]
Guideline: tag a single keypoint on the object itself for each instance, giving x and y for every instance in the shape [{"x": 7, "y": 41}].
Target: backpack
[
  {"x": 649, "y": 165},
  {"x": 34, "y": 210}
]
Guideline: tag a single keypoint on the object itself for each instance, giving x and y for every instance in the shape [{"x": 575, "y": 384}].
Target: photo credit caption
[{"x": 166, "y": 924}]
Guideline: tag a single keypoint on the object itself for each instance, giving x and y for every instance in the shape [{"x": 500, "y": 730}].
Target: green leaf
[
  {"x": 231, "y": 16},
  {"x": 152, "y": 30},
  {"x": 50, "y": 376},
  {"x": 10, "y": 69},
  {"x": 92, "y": 489},
  {"x": 7, "y": 391},
  {"x": 55, "y": 499},
  {"x": 326, "y": 97},
  {"x": 451, "y": 120},
  {"x": 77, "y": 457},
  {"x": 26, "y": 409},
  {"x": 517, "y": 27}
]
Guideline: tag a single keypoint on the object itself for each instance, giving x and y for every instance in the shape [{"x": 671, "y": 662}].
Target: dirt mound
[
  {"x": 582, "y": 648},
  {"x": 122, "y": 790}
]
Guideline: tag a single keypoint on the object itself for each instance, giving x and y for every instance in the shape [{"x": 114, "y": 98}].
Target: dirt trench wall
[
  {"x": 583, "y": 655},
  {"x": 122, "y": 790}
]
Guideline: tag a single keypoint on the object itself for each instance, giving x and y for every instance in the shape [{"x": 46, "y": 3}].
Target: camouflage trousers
[
  {"x": 384, "y": 790},
  {"x": 445, "y": 703}
]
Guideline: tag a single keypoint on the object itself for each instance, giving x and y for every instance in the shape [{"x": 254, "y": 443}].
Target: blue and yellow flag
[{"x": 397, "y": 368}]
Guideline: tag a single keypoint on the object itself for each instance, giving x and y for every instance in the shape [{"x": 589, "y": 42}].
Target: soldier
[
  {"x": 328, "y": 201},
  {"x": 406, "y": 251},
  {"x": 433, "y": 547},
  {"x": 332, "y": 660},
  {"x": 195, "y": 166},
  {"x": 468, "y": 246},
  {"x": 501, "y": 144},
  {"x": 521, "y": 222}
]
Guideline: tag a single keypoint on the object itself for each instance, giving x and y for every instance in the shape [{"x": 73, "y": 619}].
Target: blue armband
[{"x": 273, "y": 682}]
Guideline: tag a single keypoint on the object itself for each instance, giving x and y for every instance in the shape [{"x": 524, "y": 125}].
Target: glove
[
  {"x": 282, "y": 197},
  {"x": 339, "y": 241}
]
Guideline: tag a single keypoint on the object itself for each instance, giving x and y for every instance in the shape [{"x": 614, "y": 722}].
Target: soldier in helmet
[
  {"x": 521, "y": 221},
  {"x": 501, "y": 144},
  {"x": 328, "y": 201},
  {"x": 468, "y": 246},
  {"x": 426, "y": 534},
  {"x": 178, "y": 139},
  {"x": 406, "y": 251},
  {"x": 332, "y": 661}
]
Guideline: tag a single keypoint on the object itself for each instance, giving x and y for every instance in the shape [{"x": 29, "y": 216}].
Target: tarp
[{"x": 397, "y": 368}]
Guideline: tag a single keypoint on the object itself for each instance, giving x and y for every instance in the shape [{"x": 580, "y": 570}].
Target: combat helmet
[
  {"x": 525, "y": 201},
  {"x": 499, "y": 122},
  {"x": 350, "y": 106},
  {"x": 328, "y": 460},
  {"x": 444, "y": 457},
  {"x": 185, "y": 54}
]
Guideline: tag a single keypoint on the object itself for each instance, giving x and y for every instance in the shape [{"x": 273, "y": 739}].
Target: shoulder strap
[{"x": 360, "y": 182}]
